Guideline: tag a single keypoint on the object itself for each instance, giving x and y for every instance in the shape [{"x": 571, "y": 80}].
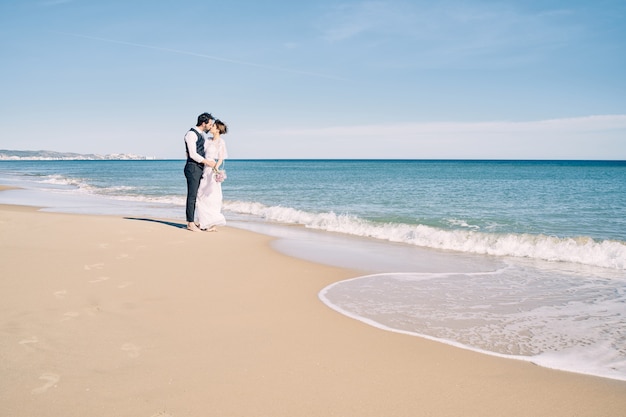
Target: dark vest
[{"x": 199, "y": 146}]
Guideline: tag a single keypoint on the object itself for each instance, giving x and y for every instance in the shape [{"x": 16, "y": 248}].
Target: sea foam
[
  {"x": 582, "y": 250},
  {"x": 559, "y": 320}
]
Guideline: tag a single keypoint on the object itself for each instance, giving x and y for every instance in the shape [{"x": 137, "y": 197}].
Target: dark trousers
[{"x": 193, "y": 173}]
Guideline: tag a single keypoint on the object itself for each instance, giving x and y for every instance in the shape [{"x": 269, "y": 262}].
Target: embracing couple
[{"x": 204, "y": 173}]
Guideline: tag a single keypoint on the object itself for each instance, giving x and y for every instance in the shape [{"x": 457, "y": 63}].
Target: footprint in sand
[
  {"x": 60, "y": 293},
  {"x": 125, "y": 284},
  {"x": 94, "y": 266},
  {"x": 70, "y": 315},
  {"x": 131, "y": 350},
  {"x": 51, "y": 380},
  {"x": 92, "y": 311},
  {"x": 123, "y": 256},
  {"x": 103, "y": 245},
  {"x": 31, "y": 340},
  {"x": 99, "y": 279}
]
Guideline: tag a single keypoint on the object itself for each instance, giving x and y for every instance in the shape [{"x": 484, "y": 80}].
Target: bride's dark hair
[{"x": 221, "y": 126}]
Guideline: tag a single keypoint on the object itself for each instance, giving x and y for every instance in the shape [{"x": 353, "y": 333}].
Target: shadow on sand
[{"x": 177, "y": 225}]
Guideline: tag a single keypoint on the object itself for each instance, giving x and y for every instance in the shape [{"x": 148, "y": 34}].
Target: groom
[{"x": 194, "y": 145}]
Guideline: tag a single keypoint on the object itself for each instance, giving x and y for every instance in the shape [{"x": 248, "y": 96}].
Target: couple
[{"x": 205, "y": 157}]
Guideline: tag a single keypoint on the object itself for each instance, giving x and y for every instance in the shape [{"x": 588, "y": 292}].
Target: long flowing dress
[{"x": 209, "y": 200}]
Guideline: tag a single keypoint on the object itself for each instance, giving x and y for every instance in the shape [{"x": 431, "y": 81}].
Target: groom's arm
[{"x": 190, "y": 141}]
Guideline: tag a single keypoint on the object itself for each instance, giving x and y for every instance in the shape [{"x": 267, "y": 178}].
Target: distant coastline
[{"x": 10, "y": 155}]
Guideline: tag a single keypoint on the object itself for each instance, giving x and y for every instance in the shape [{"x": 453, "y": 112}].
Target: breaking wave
[{"x": 582, "y": 250}]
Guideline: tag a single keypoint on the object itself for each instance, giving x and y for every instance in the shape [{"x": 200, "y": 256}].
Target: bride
[{"x": 209, "y": 200}]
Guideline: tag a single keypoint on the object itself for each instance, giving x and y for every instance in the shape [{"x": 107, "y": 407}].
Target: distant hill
[{"x": 7, "y": 155}]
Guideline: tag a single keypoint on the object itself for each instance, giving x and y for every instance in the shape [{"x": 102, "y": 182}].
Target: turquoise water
[
  {"x": 553, "y": 198},
  {"x": 524, "y": 259}
]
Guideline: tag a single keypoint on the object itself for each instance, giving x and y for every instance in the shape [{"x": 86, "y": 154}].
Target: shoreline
[{"x": 109, "y": 315}]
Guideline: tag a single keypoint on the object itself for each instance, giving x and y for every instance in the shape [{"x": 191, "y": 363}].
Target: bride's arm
[{"x": 222, "y": 154}]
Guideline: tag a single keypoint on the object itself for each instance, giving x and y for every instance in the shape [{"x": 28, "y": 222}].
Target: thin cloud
[
  {"x": 577, "y": 124},
  {"x": 446, "y": 22},
  {"x": 453, "y": 32},
  {"x": 346, "y": 21},
  {"x": 592, "y": 137},
  {"x": 205, "y": 56},
  {"x": 55, "y": 2}
]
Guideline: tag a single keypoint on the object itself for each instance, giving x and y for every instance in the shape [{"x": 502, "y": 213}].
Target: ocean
[{"x": 519, "y": 259}]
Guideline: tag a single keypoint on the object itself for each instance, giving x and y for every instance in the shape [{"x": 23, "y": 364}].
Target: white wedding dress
[{"x": 209, "y": 200}]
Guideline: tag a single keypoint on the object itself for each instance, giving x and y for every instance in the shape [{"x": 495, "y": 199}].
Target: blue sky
[{"x": 324, "y": 79}]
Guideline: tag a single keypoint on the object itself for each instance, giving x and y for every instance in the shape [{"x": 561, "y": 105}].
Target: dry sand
[{"x": 109, "y": 316}]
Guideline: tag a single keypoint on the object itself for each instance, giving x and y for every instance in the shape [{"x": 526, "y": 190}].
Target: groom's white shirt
[{"x": 190, "y": 139}]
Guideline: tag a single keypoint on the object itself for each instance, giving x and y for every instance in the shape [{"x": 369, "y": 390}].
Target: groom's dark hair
[{"x": 204, "y": 118}]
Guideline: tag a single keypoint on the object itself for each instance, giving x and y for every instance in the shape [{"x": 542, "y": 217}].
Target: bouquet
[{"x": 220, "y": 175}]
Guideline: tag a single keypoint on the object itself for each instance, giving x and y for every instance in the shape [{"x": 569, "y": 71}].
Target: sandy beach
[{"x": 112, "y": 316}]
